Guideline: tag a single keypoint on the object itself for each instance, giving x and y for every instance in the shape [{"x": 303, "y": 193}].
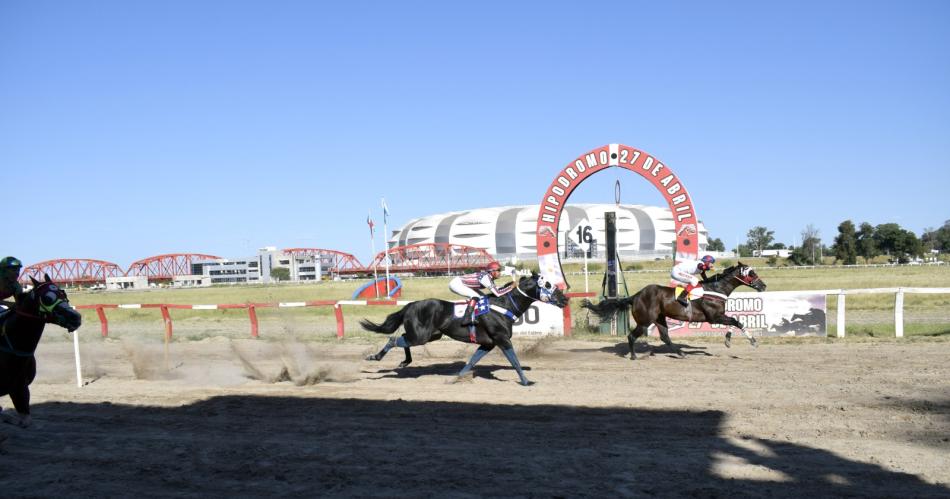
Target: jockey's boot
[
  {"x": 467, "y": 318},
  {"x": 682, "y": 298}
]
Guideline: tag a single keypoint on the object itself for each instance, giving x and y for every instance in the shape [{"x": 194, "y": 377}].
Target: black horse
[
  {"x": 654, "y": 303},
  {"x": 20, "y": 331},
  {"x": 427, "y": 320}
]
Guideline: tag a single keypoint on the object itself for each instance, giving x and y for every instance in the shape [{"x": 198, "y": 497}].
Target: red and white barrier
[{"x": 252, "y": 310}]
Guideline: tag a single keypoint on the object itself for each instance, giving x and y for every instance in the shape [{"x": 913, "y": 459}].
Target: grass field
[{"x": 868, "y": 315}]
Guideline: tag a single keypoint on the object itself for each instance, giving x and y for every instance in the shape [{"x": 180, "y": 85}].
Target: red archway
[{"x": 589, "y": 163}]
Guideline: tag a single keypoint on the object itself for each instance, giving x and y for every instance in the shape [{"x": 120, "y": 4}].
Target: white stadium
[{"x": 508, "y": 232}]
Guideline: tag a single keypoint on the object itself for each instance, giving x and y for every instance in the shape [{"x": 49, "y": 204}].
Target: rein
[{"x": 515, "y": 305}]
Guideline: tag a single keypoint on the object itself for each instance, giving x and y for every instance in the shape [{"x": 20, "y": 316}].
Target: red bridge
[{"x": 424, "y": 258}]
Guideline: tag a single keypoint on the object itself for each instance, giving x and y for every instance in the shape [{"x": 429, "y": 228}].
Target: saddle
[{"x": 481, "y": 307}]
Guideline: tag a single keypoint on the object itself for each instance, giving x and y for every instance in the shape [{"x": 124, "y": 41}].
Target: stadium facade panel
[{"x": 643, "y": 232}]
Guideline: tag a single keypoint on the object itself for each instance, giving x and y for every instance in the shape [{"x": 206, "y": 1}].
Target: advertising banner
[
  {"x": 764, "y": 314},
  {"x": 541, "y": 319}
]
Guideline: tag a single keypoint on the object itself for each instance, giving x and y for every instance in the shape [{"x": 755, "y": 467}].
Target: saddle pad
[
  {"x": 694, "y": 294},
  {"x": 481, "y": 308}
]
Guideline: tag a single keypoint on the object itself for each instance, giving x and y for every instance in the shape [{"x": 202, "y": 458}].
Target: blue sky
[{"x": 132, "y": 129}]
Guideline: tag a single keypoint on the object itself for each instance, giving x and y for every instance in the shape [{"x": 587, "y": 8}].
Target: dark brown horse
[
  {"x": 20, "y": 331},
  {"x": 654, "y": 303}
]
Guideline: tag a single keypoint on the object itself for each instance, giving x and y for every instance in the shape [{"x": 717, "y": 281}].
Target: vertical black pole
[{"x": 610, "y": 219}]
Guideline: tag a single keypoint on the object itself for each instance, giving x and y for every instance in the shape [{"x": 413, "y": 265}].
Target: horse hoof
[
  {"x": 16, "y": 419},
  {"x": 372, "y": 357},
  {"x": 403, "y": 364},
  {"x": 525, "y": 382},
  {"x": 754, "y": 342}
]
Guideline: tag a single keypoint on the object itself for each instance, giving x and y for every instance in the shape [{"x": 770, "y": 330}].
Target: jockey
[
  {"x": 9, "y": 280},
  {"x": 685, "y": 272},
  {"x": 469, "y": 286}
]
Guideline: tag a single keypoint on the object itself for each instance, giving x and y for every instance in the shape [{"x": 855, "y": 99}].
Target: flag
[
  {"x": 385, "y": 211},
  {"x": 369, "y": 221}
]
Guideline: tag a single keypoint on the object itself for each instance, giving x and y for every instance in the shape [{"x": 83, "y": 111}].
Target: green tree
[
  {"x": 743, "y": 250},
  {"x": 716, "y": 245},
  {"x": 809, "y": 253},
  {"x": 759, "y": 238},
  {"x": 867, "y": 247},
  {"x": 938, "y": 239},
  {"x": 898, "y": 243},
  {"x": 846, "y": 243},
  {"x": 280, "y": 273}
]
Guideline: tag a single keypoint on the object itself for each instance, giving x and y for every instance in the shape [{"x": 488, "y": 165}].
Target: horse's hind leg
[
  {"x": 632, "y": 336},
  {"x": 393, "y": 342},
  {"x": 665, "y": 336},
  {"x": 408, "y": 359}
]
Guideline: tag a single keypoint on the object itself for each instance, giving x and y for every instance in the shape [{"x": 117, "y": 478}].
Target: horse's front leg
[
  {"x": 510, "y": 354},
  {"x": 477, "y": 356},
  {"x": 732, "y": 322},
  {"x": 20, "y": 395}
]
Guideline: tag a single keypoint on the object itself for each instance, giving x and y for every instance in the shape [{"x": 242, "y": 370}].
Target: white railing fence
[{"x": 842, "y": 302}]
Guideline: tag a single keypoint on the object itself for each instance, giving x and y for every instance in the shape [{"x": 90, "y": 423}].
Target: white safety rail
[{"x": 842, "y": 300}]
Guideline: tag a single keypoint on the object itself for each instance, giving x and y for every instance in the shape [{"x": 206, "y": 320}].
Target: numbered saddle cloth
[{"x": 481, "y": 307}]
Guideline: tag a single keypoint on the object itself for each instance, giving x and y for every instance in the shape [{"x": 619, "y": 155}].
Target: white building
[
  {"x": 643, "y": 232},
  {"x": 256, "y": 269},
  {"x": 126, "y": 282}
]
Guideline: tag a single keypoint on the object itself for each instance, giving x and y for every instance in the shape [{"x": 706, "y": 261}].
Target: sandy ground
[{"x": 252, "y": 418}]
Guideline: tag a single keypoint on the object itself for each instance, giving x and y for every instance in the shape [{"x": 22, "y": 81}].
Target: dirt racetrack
[{"x": 256, "y": 418}]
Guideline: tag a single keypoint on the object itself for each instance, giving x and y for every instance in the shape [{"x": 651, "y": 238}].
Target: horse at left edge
[{"x": 20, "y": 331}]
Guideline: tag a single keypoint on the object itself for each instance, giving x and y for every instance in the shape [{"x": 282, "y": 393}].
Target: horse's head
[
  {"x": 49, "y": 302},
  {"x": 746, "y": 275},
  {"x": 538, "y": 288}
]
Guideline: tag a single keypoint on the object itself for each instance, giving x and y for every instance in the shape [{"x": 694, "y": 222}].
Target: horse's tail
[
  {"x": 608, "y": 307},
  {"x": 389, "y": 326}
]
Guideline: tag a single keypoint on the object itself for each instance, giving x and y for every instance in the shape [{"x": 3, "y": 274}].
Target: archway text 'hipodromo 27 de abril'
[{"x": 600, "y": 159}]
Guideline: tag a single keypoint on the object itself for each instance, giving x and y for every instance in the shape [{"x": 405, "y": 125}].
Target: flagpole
[
  {"x": 372, "y": 238},
  {"x": 386, "y": 242}
]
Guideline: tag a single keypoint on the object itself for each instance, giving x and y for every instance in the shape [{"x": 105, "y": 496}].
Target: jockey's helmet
[
  {"x": 10, "y": 262},
  {"x": 708, "y": 261},
  {"x": 494, "y": 267},
  {"x": 10, "y": 269}
]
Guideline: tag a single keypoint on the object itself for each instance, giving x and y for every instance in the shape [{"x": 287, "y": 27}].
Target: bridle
[
  {"x": 43, "y": 311},
  {"x": 746, "y": 279}
]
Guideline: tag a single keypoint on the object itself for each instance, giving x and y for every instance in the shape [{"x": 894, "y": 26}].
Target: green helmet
[{"x": 10, "y": 262}]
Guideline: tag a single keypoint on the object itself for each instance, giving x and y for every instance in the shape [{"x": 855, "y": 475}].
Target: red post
[
  {"x": 339, "y": 320},
  {"x": 103, "y": 322},
  {"x": 567, "y": 320},
  {"x": 252, "y": 313},
  {"x": 567, "y": 310},
  {"x": 168, "y": 322}
]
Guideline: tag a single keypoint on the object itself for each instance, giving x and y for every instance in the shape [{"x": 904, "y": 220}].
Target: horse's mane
[{"x": 728, "y": 271}]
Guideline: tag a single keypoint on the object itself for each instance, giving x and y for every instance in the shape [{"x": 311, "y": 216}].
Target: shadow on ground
[
  {"x": 283, "y": 446},
  {"x": 448, "y": 369}
]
